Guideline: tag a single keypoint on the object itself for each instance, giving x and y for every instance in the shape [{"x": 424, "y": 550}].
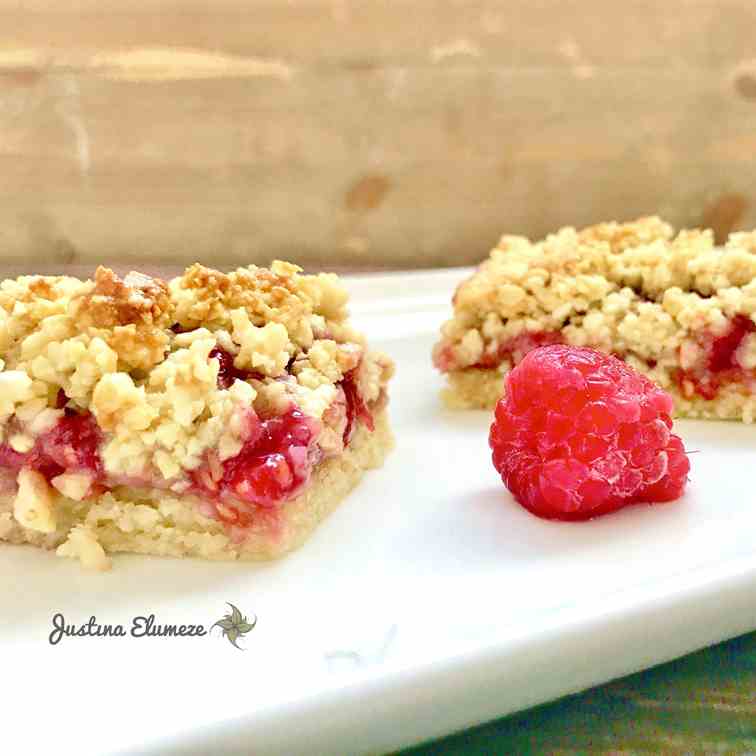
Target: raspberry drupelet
[{"x": 580, "y": 433}]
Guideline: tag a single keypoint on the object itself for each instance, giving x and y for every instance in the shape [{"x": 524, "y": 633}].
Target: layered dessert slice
[
  {"x": 216, "y": 415},
  {"x": 674, "y": 306}
]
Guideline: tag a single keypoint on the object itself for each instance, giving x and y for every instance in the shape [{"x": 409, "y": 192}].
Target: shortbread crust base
[
  {"x": 476, "y": 388},
  {"x": 473, "y": 388},
  {"x": 129, "y": 520}
]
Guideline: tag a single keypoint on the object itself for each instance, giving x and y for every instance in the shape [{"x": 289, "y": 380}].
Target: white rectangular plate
[{"x": 427, "y": 603}]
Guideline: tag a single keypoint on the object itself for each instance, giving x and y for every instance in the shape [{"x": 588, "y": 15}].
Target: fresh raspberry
[{"x": 580, "y": 433}]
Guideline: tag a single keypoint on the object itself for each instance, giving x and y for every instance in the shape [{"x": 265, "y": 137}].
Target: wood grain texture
[
  {"x": 704, "y": 703},
  {"x": 394, "y": 133}
]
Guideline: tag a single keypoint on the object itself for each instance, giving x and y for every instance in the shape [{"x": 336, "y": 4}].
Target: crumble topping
[
  {"x": 373, "y": 376},
  {"x": 16, "y": 389},
  {"x": 132, "y": 315},
  {"x": 632, "y": 288},
  {"x": 73, "y": 485},
  {"x": 108, "y": 302},
  {"x": 33, "y": 505},
  {"x": 140, "y": 354},
  {"x": 28, "y": 300},
  {"x": 82, "y": 544},
  {"x": 264, "y": 349},
  {"x": 174, "y": 418},
  {"x": 280, "y": 294}
]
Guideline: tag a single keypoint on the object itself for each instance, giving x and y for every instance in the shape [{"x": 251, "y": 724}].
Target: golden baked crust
[
  {"x": 635, "y": 289},
  {"x": 170, "y": 372}
]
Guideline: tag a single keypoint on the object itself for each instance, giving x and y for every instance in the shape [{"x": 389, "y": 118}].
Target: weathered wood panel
[{"x": 364, "y": 133}]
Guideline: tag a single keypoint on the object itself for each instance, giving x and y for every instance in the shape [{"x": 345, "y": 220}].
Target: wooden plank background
[{"x": 401, "y": 133}]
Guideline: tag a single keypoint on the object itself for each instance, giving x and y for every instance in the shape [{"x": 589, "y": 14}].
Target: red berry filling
[
  {"x": 227, "y": 371},
  {"x": 356, "y": 408},
  {"x": 723, "y": 348},
  {"x": 580, "y": 433},
  {"x": 70, "y": 446},
  {"x": 513, "y": 350},
  {"x": 443, "y": 358},
  {"x": 720, "y": 366},
  {"x": 11, "y": 459},
  {"x": 274, "y": 463},
  {"x": 272, "y": 466}
]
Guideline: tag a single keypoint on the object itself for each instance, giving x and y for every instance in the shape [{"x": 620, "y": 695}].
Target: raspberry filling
[
  {"x": 227, "y": 371},
  {"x": 272, "y": 466},
  {"x": 275, "y": 462},
  {"x": 514, "y": 350},
  {"x": 70, "y": 446},
  {"x": 356, "y": 408},
  {"x": 718, "y": 368},
  {"x": 720, "y": 365}
]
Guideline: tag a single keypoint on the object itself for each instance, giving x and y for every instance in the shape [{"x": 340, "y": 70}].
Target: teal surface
[{"x": 704, "y": 703}]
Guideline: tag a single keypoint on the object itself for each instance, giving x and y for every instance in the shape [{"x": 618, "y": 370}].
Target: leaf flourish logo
[{"x": 234, "y": 626}]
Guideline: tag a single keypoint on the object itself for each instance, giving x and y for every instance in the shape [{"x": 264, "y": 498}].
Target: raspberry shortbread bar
[
  {"x": 673, "y": 306},
  {"x": 216, "y": 415}
]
